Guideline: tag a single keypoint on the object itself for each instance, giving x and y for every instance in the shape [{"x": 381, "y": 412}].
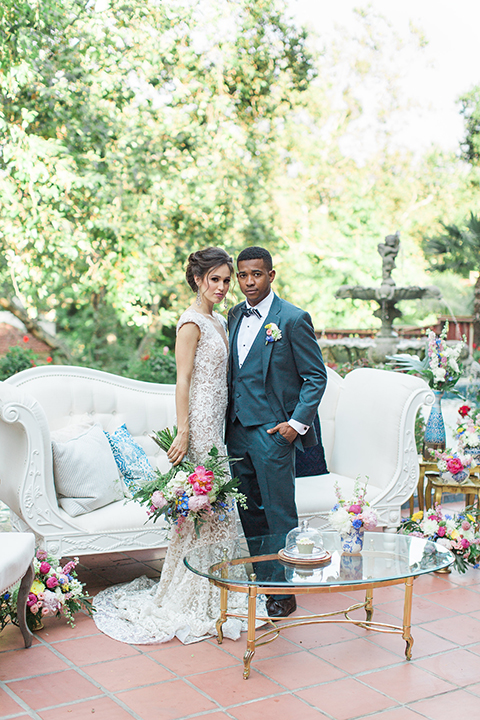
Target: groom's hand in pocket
[{"x": 285, "y": 431}]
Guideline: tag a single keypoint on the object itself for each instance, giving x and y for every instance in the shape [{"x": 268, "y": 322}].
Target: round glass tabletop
[{"x": 385, "y": 556}]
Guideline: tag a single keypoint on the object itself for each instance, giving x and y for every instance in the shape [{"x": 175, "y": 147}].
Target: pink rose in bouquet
[
  {"x": 199, "y": 502},
  {"x": 454, "y": 465},
  {"x": 41, "y": 555},
  {"x": 52, "y": 582},
  {"x": 355, "y": 508},
  {"x": 45, "y": 567}
]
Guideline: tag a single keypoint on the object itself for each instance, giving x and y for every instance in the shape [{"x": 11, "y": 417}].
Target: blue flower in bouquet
[
  {"x": 357, "y": 523},
  {"x": 182, "y": 504}
]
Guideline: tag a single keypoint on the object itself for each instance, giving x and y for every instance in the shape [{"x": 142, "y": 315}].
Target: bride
[{"x": 183, "y": 604}]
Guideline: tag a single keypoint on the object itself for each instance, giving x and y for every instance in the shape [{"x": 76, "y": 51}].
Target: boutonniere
[{"x": 273, "y": 333}]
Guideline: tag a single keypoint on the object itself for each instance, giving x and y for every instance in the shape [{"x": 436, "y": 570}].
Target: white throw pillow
[{"x": 85, "y": 471}]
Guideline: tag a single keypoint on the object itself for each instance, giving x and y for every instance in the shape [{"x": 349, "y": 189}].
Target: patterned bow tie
[{"x": 250, "y": 311}]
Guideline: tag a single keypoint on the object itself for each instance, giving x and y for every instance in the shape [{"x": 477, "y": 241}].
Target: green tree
[
  {"x": 470, "y": 109},
  {"x": 131, "y": 134},
  {"x": 458, "y": 249}
]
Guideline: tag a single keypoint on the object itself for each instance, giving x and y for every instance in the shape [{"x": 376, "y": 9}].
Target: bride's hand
[{"x": 178, "y": 449}]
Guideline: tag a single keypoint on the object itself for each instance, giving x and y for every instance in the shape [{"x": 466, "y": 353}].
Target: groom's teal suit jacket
[{"x": 292, "y": 370}]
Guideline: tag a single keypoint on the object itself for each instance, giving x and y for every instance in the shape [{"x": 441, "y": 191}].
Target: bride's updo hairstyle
[{"x": 202, "y": 262}]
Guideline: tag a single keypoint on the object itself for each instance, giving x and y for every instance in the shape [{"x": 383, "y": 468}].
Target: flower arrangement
[
  {"x": 355, "y": 513},
  {"x": 440, "y": 366},
  {"x": 55, "y": 590},
  {"x": 273, "y": 333},
  {"x": 455, "y": 463},
  {"x": 468, "y": 427},
  {"x": 458, "y": 532},
  {"x": 189, "y": 491}
]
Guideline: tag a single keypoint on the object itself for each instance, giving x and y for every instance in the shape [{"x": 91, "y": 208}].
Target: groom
[{"x": 276, "y": 381}]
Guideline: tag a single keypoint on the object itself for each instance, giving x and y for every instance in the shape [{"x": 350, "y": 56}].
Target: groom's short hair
[{"x": 256, "y": 253}]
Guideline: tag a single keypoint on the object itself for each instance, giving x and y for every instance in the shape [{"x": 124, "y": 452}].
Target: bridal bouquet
[
  {"x": 55, "y": 590},
  {"x": 191, "y": 491},
  {"x": 440, "y": 367},
  {"x": 355, "y": 513},
  {"x": 458, "y": 532}
]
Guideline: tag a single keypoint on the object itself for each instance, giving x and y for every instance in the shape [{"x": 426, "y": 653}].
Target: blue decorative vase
[
  {"x": 352, "y": 542},
  {"x": 475, "y": 453},
  {"x": 434, "y": 438},
  {"x": 351, "y": 566},
  {"x": 455, "y": 478}
]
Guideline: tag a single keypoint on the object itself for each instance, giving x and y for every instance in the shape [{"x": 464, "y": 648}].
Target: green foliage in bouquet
[{"x": 191, "y": 491}]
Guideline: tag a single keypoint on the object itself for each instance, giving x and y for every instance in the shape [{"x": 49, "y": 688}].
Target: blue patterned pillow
[{"x": 130, "y": 458}]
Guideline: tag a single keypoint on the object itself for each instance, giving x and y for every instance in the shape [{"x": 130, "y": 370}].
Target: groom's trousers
[{"x": 267, "y": 477}]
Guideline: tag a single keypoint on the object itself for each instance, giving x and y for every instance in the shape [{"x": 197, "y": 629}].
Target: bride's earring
[
  {"x": 198, "y": 301},
  {"x": 225, "y": 304}
]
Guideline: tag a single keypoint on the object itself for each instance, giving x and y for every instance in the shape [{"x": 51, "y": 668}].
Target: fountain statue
[{"x": 387, "y": 295}]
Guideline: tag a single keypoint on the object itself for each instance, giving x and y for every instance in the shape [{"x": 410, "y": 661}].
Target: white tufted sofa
[{"x": 367, "y": 425}]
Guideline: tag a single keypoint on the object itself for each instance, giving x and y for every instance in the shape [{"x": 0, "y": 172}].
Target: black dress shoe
[{"x": 281, "y": 608}]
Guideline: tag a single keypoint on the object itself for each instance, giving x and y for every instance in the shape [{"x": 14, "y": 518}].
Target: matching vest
[{"x": 249, "y": 401}]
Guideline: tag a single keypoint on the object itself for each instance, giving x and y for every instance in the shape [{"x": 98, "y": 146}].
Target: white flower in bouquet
[
  {"x": 429, "y": 526},
  {"x": 341, "y": 520},
  {"x": 445, "y": 542},
  {"x": 442, "y": 465}
]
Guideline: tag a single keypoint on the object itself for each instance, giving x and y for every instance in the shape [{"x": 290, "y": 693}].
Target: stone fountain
[{"x": 387, "y": 295}]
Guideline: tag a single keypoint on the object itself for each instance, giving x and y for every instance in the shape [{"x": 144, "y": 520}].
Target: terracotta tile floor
[{"x": 329, "y": 672}]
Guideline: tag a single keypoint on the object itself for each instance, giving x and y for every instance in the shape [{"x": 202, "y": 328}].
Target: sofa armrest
[{"x": 26, "y": 467}]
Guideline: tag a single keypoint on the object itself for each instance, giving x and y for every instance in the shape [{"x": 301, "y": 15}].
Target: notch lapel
[{"x": 273, "y": 316}]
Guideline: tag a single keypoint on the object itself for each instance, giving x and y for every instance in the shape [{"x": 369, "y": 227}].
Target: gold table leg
[
  {"x": 369, "y": 604},
  {"x": 252, "y": 612},
  {"x": 223, "y": 613},
  {"x": 407, "y": 617}
]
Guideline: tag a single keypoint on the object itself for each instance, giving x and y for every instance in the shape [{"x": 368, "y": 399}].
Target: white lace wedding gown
[{"x": 182, "y": 604}]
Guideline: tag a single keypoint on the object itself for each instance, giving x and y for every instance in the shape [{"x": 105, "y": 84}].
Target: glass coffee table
[{"x": 254, "y": 569}]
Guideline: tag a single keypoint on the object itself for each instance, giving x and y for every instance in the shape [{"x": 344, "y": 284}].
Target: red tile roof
[{"x": 10, "y": 336}]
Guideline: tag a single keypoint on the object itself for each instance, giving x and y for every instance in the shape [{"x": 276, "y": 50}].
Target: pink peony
[
  {"x": 41, "y": 555},
  {"x": 465, "y": 543},
  {"x": 32, "y": 599},
  {"x": 370, "y": 519},
  {"x": 52, "y": 582},
  {"x": 356, "y": 508},
  {"x": 199, "y": 502},
  {"x": 454, "y": 465},
  {"x": 441, "y": 531},
  {"x": 45, "y": 567},
  {"x": 465, "y": 525},
  {"x": 50, "y": 602},
  {"x": 201, "y": 480},
  {"x": 158, "y": 499}
]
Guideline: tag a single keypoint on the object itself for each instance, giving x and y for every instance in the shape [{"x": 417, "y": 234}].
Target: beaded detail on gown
[{"x": 181, "y": 603}]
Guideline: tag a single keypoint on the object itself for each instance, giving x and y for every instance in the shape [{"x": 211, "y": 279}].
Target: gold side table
[{"x": 436, "y": 487}]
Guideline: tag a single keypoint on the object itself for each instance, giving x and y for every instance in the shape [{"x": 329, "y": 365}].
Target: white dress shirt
[{"x": 248, "y": 331}]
